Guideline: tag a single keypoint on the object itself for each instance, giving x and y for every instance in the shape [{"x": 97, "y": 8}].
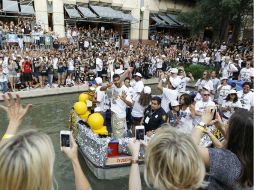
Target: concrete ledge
[
  {"x": 68, "y": 90},
  {"x": 49, "y": 91}
]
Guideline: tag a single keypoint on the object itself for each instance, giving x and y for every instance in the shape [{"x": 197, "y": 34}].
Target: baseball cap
[
  {"x": 138, "y": 74},
  {"x": 174, "y": 70},
  {"x": 98, "y": 80},
  {"x": 174, "y": 103},
  {"x": 147, "y": 90}
]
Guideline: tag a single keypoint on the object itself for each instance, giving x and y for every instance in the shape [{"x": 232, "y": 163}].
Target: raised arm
[
  {"x": 81, "y": 181},
  {"x": 15, "y": 112}
]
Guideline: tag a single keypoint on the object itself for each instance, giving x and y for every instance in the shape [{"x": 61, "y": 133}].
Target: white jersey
[
  {"x": 247, "y": 100},
  {"x": 245, "y": 74},
  {"x": 223, "y": 92},
  {"x": 231, "y": 105},
  {"x": 168, "y": 95}
]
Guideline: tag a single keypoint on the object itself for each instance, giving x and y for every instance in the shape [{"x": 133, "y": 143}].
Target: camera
[
  {"x": 140, "y": 132},
  {"x": 65, "y": 138}
]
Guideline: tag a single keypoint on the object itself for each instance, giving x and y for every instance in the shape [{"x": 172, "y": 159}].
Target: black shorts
[{"x": 27, "y": 77}]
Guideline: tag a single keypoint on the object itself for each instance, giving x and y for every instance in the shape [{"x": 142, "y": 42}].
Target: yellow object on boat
[
  {"x": 83, "y": 97},
  {"x": 95, "y": 121},
  {"x": 80, "y": 108},
  {"x": 85, "y": 116},
  {"x": 101, "y": 131}
]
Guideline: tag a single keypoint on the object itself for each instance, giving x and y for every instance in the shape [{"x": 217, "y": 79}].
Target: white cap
[
  {"x": 174, "y": 70},
  {"x": 92, "y": 88},
  {"x": 175, "y": 81},
  {"x": 138, "y": 74},
  {"x": 163, "y": 56},
  {"x": 98, "y": 80},
  {"x": 174, "y": 103},
  {"x": 224, "y": 78},
  {"x": 119, "y": 71},
  {"x": 232, "y": 91},
  {"x": 207, "y": 87},
  {"x": 147, "y": 90}
]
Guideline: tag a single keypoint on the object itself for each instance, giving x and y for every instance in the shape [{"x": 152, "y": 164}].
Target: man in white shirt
[
  {"x": 99, "y": 65},
  {"x": 246, "y": 97},
  {"x": 119, "y": 102},
  {"x": 138, "y": 85},
  {"x": 245, "y": 72},
  {"x": 202, "y": 104},
  {"x": 99, "y": 98},
  {"x": 169, "y": 93},
  {"x": 228, "y": 68}
]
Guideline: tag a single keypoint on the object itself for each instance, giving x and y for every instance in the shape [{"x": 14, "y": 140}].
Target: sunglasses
[
  {"x": 204, "y": 74},
  {"x": 206, "y": 94}
]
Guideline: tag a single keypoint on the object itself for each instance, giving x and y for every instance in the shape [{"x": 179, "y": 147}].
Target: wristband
[
  {"x": 200, "y": 128},
  {"x": 134, "y": 161},
  {"x": 7, "y": 136}
]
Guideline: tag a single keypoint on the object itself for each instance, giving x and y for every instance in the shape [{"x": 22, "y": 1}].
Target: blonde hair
[
  {"x": 26, "y": 162},
  {"x": 172, "y": 161}
]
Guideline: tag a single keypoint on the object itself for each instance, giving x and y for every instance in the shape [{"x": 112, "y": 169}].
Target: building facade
[{"x": 140, "y": 10}]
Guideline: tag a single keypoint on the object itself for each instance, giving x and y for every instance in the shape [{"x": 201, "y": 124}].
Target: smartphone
[
  {"x": 215, "y": 110},
  {"x": 65, "y": 138},
  {"x": 140, "y": 132}
]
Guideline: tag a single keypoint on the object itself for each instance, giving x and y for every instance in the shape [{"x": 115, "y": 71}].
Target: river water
[{"x": 50, "y": 115}]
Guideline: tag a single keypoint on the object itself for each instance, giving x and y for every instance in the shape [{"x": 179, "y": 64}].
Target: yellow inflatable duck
[{"x": 96, "y": 121}]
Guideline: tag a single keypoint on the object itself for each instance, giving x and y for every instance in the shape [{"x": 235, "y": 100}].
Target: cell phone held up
[
  {"x": 65, "y": 138},
  {"x": 140, "y": 132}
]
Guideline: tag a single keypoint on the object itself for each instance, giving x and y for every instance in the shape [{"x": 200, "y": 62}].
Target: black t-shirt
[{"x": 153, "y": 119}]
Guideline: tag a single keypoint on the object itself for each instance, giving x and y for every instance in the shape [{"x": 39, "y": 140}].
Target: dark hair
[
  {"x": 187, "y": 99},
  {"x": 247, "y": 83},
  {"x": 144, "y": 99},
  {"x": 156, "y": 98},
  {"x": 127, "y": 78},
  {"x": 235, "y": 99},
  {"x": 240, "y": 142},
  {"x": 116, "y": 76}
]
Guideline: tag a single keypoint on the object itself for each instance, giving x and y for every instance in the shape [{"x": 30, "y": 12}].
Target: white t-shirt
[
  {"x": 182, "y": 86},
  {"x": 99, "y": 64},
  {"x": 245, "y": 74},
  {"x": 200, "y": 107},
  {"x": 159, "y": 63},
  {"x": 247, "y": 100},
  {"x": 232, "y": 105},
  {"x": 168, "y": 95},
  {"x": 71, "y": 65},
  {"x": 117, "y": 105},
  {"x": 185, "y": 125},
  {"x": 223, "y": 93},
  {"x": 202, "y": 83},
  {"x": 137, "y": 88},
  {"x": 137, "y": 109},
  {"x": 100, "y": 98}
]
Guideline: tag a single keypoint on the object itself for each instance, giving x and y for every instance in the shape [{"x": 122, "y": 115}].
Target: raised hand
[{"x": 15, "y": 112}]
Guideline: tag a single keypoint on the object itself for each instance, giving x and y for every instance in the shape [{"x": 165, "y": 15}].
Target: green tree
[{"x": 219, "y": 15}]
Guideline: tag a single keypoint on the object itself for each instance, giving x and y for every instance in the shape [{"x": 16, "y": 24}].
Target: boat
[{"x": 106, "y": 157}]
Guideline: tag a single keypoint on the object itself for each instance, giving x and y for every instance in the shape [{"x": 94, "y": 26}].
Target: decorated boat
[{"x": 106, "y": 157}]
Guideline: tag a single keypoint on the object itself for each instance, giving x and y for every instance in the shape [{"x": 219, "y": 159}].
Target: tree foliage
[{"x": 218, "y": 15}]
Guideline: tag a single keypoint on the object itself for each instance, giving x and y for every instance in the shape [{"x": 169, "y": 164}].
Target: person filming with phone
[{"x": 27, "y": 157}]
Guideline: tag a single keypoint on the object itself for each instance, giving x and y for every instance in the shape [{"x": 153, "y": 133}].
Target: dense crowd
[{"x": 97, "y": 57}]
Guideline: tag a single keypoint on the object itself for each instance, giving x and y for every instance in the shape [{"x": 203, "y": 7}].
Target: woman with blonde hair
[
  {"x": 27, "y": 157},
  {"x": 172, "y": 161}
]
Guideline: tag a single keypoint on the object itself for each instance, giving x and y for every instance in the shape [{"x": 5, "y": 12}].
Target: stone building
[{"x": 135, "y": 19}]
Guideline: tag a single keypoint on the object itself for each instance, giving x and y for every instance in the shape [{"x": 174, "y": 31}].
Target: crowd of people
[{"x": 174, "y": 122}]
